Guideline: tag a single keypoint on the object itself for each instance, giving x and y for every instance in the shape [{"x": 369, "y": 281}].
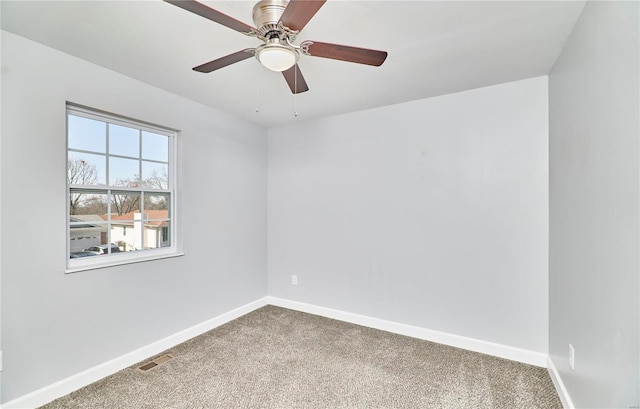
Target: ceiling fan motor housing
[{"x": 266, "y": 15}]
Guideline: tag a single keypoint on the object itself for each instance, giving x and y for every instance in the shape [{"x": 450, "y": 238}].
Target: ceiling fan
[{"x": 278, "y": 24}]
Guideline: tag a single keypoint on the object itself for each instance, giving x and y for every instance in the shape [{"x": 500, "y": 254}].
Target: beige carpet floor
[{"x": 278, "y": 358}]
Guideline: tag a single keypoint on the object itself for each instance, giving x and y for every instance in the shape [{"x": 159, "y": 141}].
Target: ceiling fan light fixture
[
  {"x": 277, "y": 57},
  {"x": 277, "y": 25}
]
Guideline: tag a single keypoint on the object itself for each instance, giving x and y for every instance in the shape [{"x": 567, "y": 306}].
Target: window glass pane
[
  {"x": 124, "y": 141},
  {"x": 166, "y": 235},
  {"x": 87, "y": 221},
  {"x": 156, "y": 231},
  {"x": 135, "y": 238},
  {"x": 88, "y": 202},
  {"x": 125, "y": 207},
  {"x": 124, "y": 172},
  {"x": 156, "y": 234},
  {"x": 155, "y": 147},
  {"x": 87, "y": 134},
  {"x": 127, "y": 235},
  {"x": 157, "y": 202},
  {"x": 155, "y": 175},
  {"x": 86, "y": 169},
  {"x": 84, "y": 237},
  {"x": 126, "y": 221}
]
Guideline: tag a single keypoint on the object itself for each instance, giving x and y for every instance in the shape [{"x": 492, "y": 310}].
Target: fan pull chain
[
  {"x": 257, "y": 89},
  {"x": 295, "y": 87}
]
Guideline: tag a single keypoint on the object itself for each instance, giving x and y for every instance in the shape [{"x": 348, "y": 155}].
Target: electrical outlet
[
  {"x": 572, "y": 357},
  {"x": 294, "y": 280}
]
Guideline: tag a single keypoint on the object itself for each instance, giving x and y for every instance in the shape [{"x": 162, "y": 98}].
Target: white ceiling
[{"x": 435, "y": 48}]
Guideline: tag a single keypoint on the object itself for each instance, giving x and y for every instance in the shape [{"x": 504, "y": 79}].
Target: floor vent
[{"x": 152, "y": 364}]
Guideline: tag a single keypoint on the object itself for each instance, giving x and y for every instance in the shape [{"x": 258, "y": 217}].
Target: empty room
[{"x": 319, "y": 204}]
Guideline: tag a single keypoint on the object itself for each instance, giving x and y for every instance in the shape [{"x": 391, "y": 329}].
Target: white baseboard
[
  {"x": 560, "y": 388},
  {"x": 65, "y": 386},
  {"x": 476, "y": 345},
  {"x": 84, "y": 378}
]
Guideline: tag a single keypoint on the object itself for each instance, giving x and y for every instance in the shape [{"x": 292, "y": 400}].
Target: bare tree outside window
[
  {"x": 79, "y": 172},
  {"x": 158, "y": 179},
  {"x": 124, "y": 203}
]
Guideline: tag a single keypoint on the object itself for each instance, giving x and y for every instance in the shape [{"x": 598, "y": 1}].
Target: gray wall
[
  {"x": 594, "y": 176},
  {"x": 431, "y": 213},
  {"x": 54, "y": 324}
]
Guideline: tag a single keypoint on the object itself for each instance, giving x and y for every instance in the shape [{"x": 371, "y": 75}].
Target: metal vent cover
[{"x": 155, "y": 362}]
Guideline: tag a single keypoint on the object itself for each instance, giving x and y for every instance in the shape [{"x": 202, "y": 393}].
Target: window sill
[{"x": 114, "y": 261}]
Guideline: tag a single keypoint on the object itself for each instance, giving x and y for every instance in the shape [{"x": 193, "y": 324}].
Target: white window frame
[{"x": 90, "y": 263}]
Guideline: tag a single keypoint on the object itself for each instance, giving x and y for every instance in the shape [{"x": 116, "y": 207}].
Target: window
[{"x": 121, "y": 183}]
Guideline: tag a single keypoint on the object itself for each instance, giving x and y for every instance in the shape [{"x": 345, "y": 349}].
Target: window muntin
[{"x": 120, "y": 180}]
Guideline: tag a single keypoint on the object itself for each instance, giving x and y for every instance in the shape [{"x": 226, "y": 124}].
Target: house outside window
[{"x": 121, "y": 183}]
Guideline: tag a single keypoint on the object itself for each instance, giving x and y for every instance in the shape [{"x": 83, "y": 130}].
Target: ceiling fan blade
[
  {"x": 298, "y": 13},
  {"x": 211, "y": 14},
  {"x": 296, "y": 81},
  {"x": 224, "y": 61},
  {"x": 345, "y": 53}
]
